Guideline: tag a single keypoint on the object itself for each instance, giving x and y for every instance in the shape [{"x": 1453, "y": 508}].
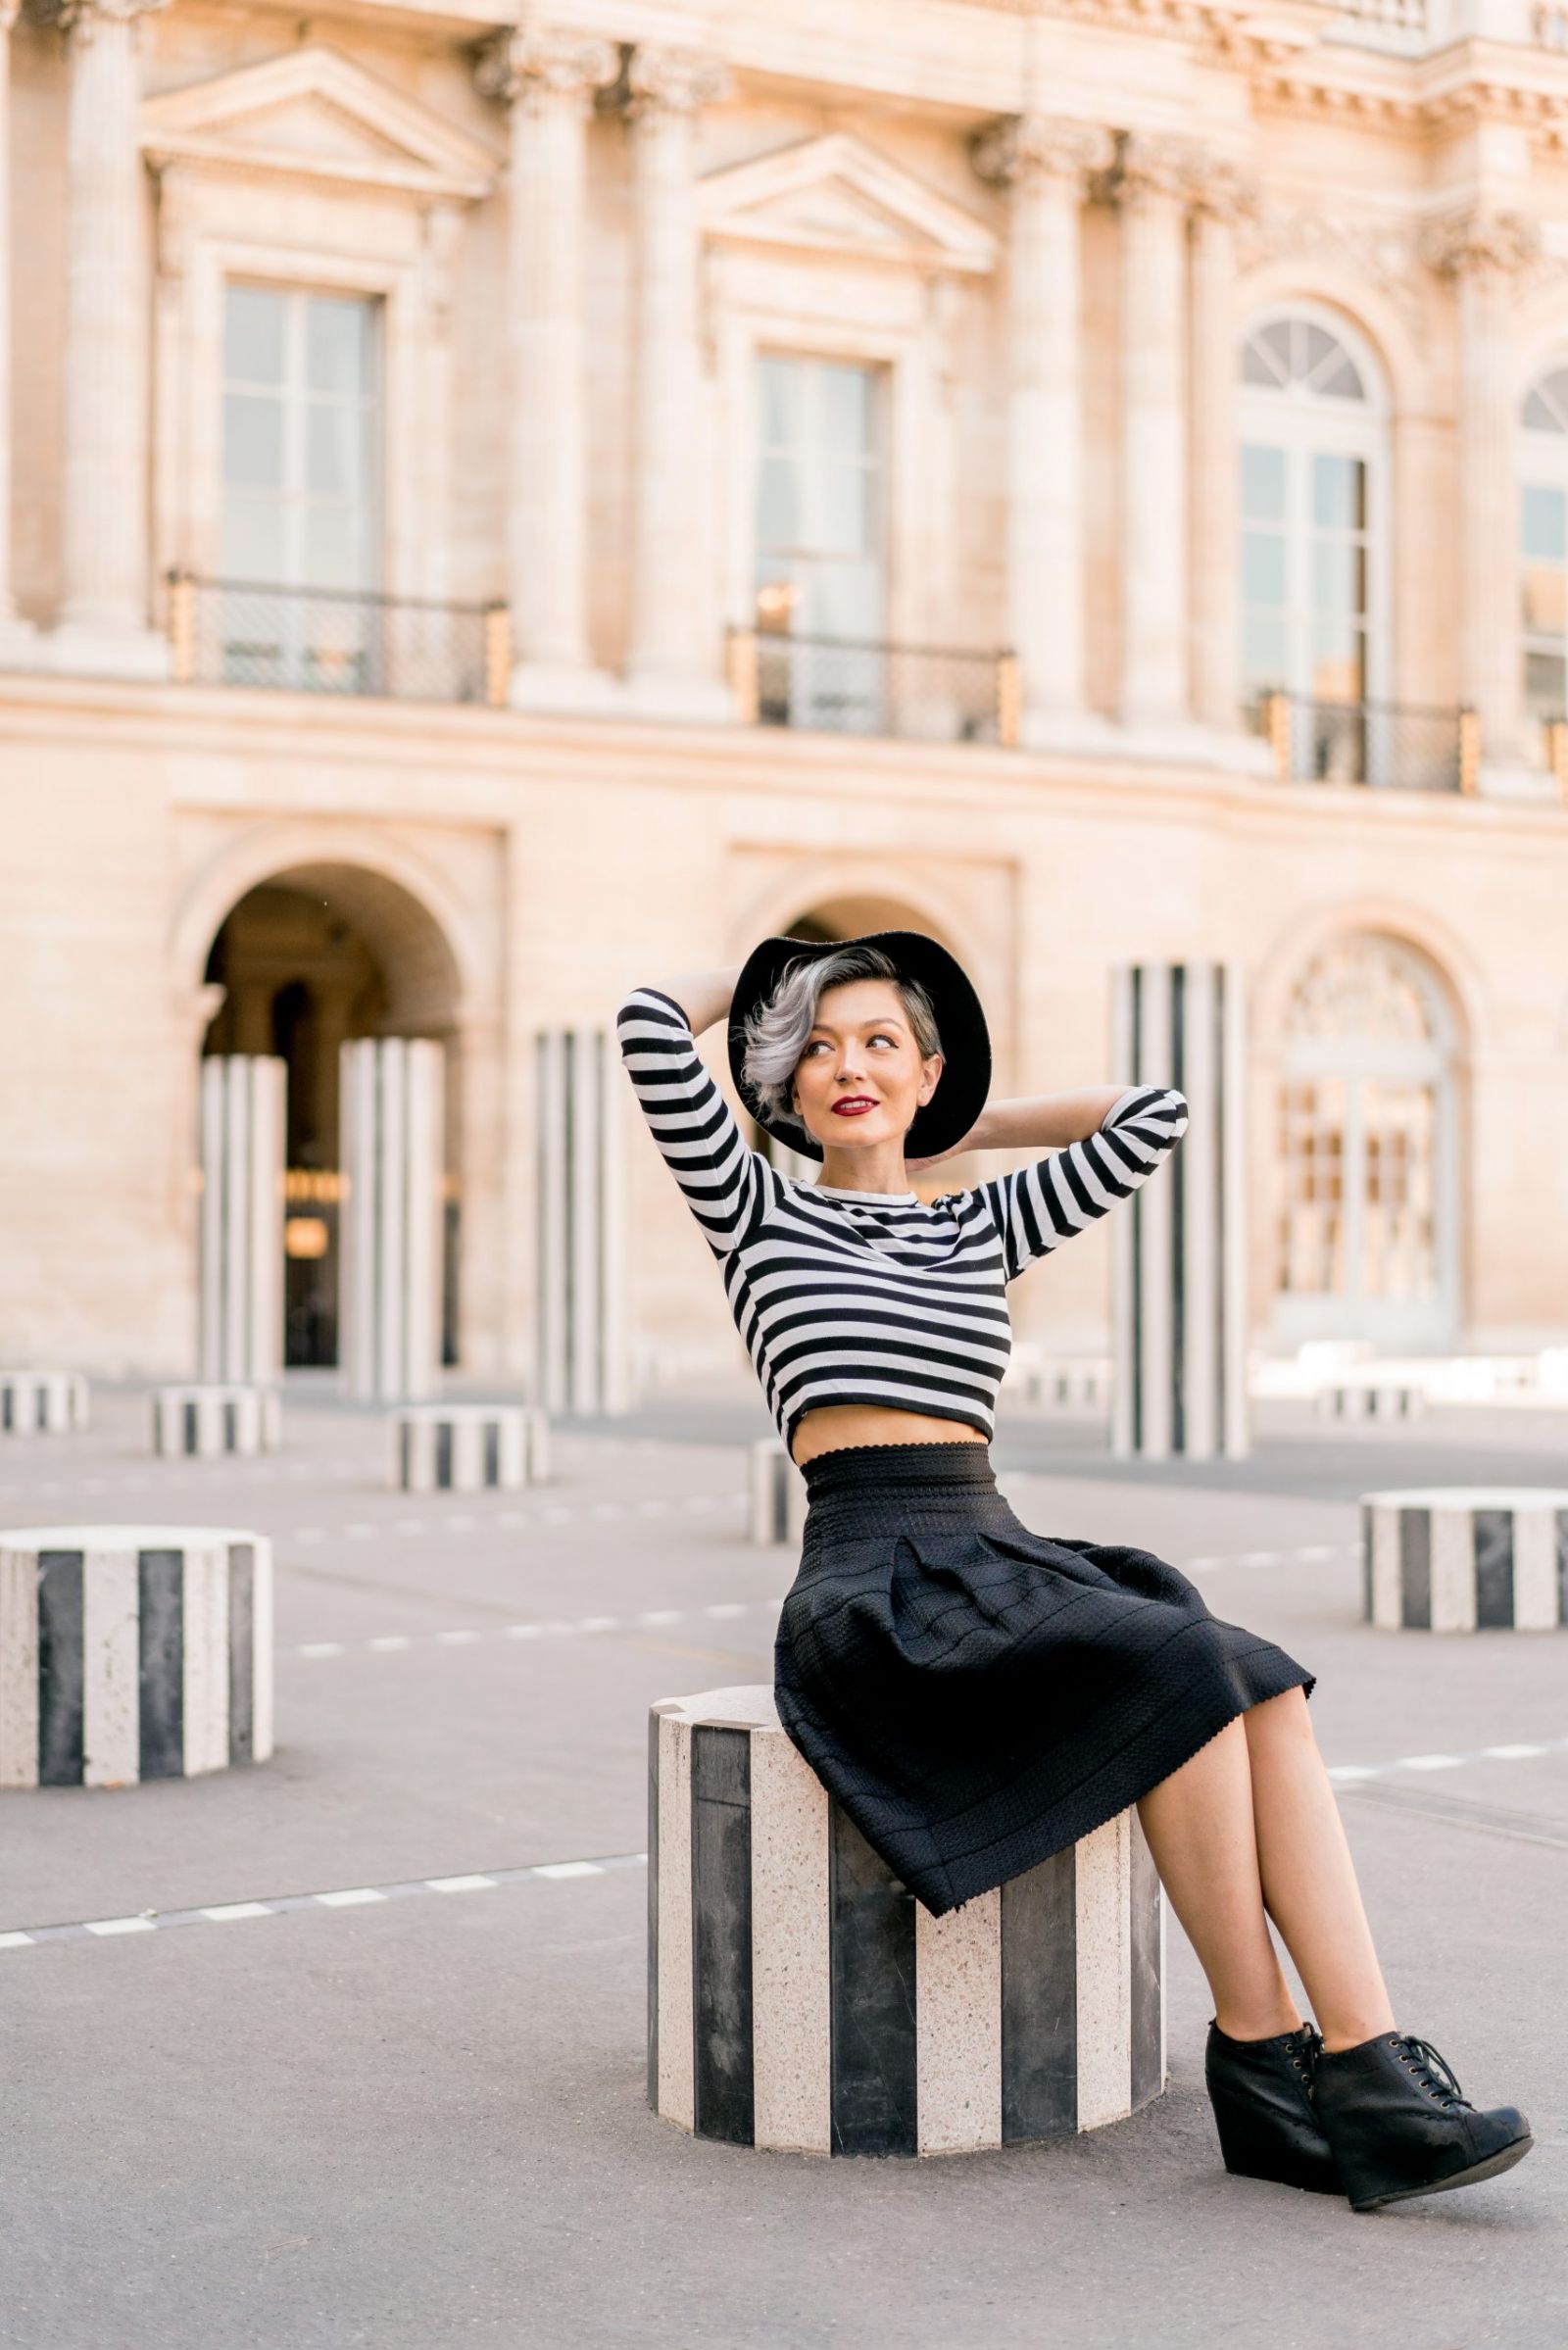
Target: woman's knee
[{"x": 1287, "y": 1715}]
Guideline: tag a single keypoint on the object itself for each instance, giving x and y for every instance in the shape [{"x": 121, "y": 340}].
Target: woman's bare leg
[
  {"x": 1308, "y": 1877},
  {"x": 1202, "y": 1833}
]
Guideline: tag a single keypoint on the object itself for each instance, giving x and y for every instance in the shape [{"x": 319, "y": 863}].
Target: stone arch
[
  {"x": 402, "y": 905},
  {"x": 1348, "y": 305},
  {"x": 1447, "y": 961}
]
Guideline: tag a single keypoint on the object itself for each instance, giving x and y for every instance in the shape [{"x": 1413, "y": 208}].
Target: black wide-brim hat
[{"x": 966, "y": 1078}]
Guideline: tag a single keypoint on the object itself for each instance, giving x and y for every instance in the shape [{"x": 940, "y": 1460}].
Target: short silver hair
[{"x": 779, "y": 1031}]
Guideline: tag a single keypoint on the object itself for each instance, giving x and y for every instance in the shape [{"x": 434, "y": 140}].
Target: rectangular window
[
  {"x": 299, "y": 548},
  {"x": 1543, "y": 591},
  {"x": 820, "y": 574}
]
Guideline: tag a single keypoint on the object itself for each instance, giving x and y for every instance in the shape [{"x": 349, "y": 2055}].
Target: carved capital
[
  {"x": 672, "y": 82},
  {"x": 10, "y": 10},
  {"x": 82, "y": 20},
  {"x": 1480, "y": 244},
  {"x": 528, "y": 66},
  {"x": 1020, "y": 150},
  {"x": 1151, "y": 167},
  {"x": 1221, "y": 190}
]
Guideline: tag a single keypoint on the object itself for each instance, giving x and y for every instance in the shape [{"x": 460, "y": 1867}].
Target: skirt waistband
[{"x": 899, "y": 1469}]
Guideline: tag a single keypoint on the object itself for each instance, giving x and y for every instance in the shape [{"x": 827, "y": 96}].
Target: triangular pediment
[
  {"x": 835, "y": 194},
  {"x": 313, "y": 114}
]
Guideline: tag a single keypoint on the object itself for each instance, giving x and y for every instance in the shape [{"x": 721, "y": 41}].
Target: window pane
[
  {"x": 252, "y": 441},
  {"x": 1262, "y": 484},
  {"x": 778, "y": 521},
  {"x": 1316, "y": 346},
  {"x": 1338, "y": 492},
  {"x": 335, "y": 450},
  {"x": 253, "y": 334},
  {"x": 1538, "y": 417},
  {"x": 1263, "y": 567},
  {"x": 1546, "y": 684},
  {"x": 333, "y": 548},
  {"x": 778, "y": 391},
  {"x": 337, "y": 346},
  {"x": 1339, "y": 663},
  {"x": 1262, "y": 651},
  {"x": 846, "y": 409},
  {"x": 1339, "y": 381},
  {"x": 251, "y": 540},
  {"x": 845, "y": 517},
  {"x": 1257, "y": 368},
  {"x": 1543, "y": 522},
  {"x": 1338, "y": 576}
]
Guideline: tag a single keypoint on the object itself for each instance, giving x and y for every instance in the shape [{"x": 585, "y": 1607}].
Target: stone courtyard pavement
[{"x": 351, "y": 2048}]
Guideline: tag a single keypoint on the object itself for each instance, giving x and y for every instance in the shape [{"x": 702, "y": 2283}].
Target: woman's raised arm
[{"x": 688, "y": 1117}]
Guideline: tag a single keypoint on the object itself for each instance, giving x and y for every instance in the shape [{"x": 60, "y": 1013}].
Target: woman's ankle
[
  {"x": 1356, "y": 2032},
  {"x": 1244, "y": 2026}
]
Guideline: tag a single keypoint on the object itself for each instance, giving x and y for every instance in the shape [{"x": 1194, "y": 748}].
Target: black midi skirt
[{"x": 977, "y": 1695}]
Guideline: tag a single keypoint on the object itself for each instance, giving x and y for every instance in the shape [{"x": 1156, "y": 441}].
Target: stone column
[
  {"x": 580, "y": 1356},
  {"x": 1152, "y": 186},
  {"x": 1219, "y": 198},
  {"x": 1482, "y": 253},
  {"x": 103, "y": 621},
  {"x": 14, "y": 633},
  {"x": 1045, "y": 163},
  {"x": 389, "y": 1262},
  {"x": 244, "y": 1124},
  {"x": 548, "y": 79},
  {"x": 675, "y": 653}
]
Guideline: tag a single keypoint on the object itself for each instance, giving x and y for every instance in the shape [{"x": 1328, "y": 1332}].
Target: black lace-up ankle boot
[
  {"x": 1261, "y": 2092},
  {"x": 1393, "y": 2112}
]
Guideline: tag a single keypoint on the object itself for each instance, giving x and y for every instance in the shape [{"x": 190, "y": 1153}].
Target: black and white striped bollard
[
  {"x": 1370, "y": 1399},
  {"x": 42, "y": 1403},
  {"x": 777, "y": 1494},
  {"x": 1465, "y": 1558},
  {"x": 464, "y": 1447},
  {"x": 209, "y": 1420},
  {"x": 131, "y": 1652},
  {"x": 800, "y": 1997}
]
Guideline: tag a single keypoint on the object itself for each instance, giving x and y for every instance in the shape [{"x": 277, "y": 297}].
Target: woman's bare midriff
[{"x": 832, "y": 1426}]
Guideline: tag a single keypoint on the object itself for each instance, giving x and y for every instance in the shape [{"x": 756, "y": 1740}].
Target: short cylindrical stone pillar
[
  {"x": 1370, "y": 1399},
  {"x": 42, "y": 1403},
  {"x": 462, "y": 1448},
  {"x": 244, "y": 1122},
  {"x": 1465, "y": 1558},
  {"x": 131, "y": 1653},
  {"x": 777, "y": 1494},
  {"x": 209, "y": 1420},
  {"x": 800, "y": 1997}
]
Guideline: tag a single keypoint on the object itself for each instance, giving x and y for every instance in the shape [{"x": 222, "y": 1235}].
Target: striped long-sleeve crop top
[{"x": 850, "y": 1296}]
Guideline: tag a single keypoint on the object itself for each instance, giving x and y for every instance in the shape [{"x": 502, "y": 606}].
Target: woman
[{"x": 974, "y": 1695}]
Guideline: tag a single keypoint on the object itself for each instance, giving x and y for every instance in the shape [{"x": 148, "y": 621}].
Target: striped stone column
[
  {"x": 1179, "y": 1243},
  {"x": 209, "y": 1420},
  {"x": 580, "y": 1276},
  {"x": 1465, "y": 1558},
  {"x": 131, "y": 1653},
  {"x": 42, "y": 1403},
  {"x": 800, "y": 1997},
  {"x": 777, "y": 1494},
  {"x": 243, "y": 1136},
  {"x": 390, "y": 1258},
  {"x": 464, "y": 1448}
]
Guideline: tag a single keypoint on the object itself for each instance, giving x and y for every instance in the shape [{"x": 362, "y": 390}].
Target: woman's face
[{"x": 861, "y": 1078}]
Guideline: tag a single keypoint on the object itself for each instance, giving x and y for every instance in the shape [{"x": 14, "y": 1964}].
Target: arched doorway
[
  {"x": 1365, "y": 1236},
  {"x": 309, "y": 959}
]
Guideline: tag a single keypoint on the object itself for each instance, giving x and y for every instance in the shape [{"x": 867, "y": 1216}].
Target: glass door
[
  {"x": 820, "y": 536},
  {"x": 299, "y": 539}
]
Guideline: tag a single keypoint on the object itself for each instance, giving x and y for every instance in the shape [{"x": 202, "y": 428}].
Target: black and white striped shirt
[{"x": 856, "y": 1297}]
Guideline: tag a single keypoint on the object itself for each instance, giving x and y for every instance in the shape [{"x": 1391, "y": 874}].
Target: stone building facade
[{"x": 501, "y": 510}]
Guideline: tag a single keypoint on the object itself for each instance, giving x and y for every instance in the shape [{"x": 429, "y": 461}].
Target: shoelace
[
  {"x": 1434, "y": 2073},
  {"x": 1309, "y": 2042}
]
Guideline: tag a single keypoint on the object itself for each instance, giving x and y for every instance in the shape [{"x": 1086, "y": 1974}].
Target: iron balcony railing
[
  {"x": 1385, "y": 745},
  {"x": 830, "y": 685},
  {"x": 336, "y": 641}
]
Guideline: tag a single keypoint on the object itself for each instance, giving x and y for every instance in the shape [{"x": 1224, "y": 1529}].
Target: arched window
[
  {"x": 1313, "y": 573},
  {"x": 1544, "y": 543},
  {"x": 1365, "y": 1241}
]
